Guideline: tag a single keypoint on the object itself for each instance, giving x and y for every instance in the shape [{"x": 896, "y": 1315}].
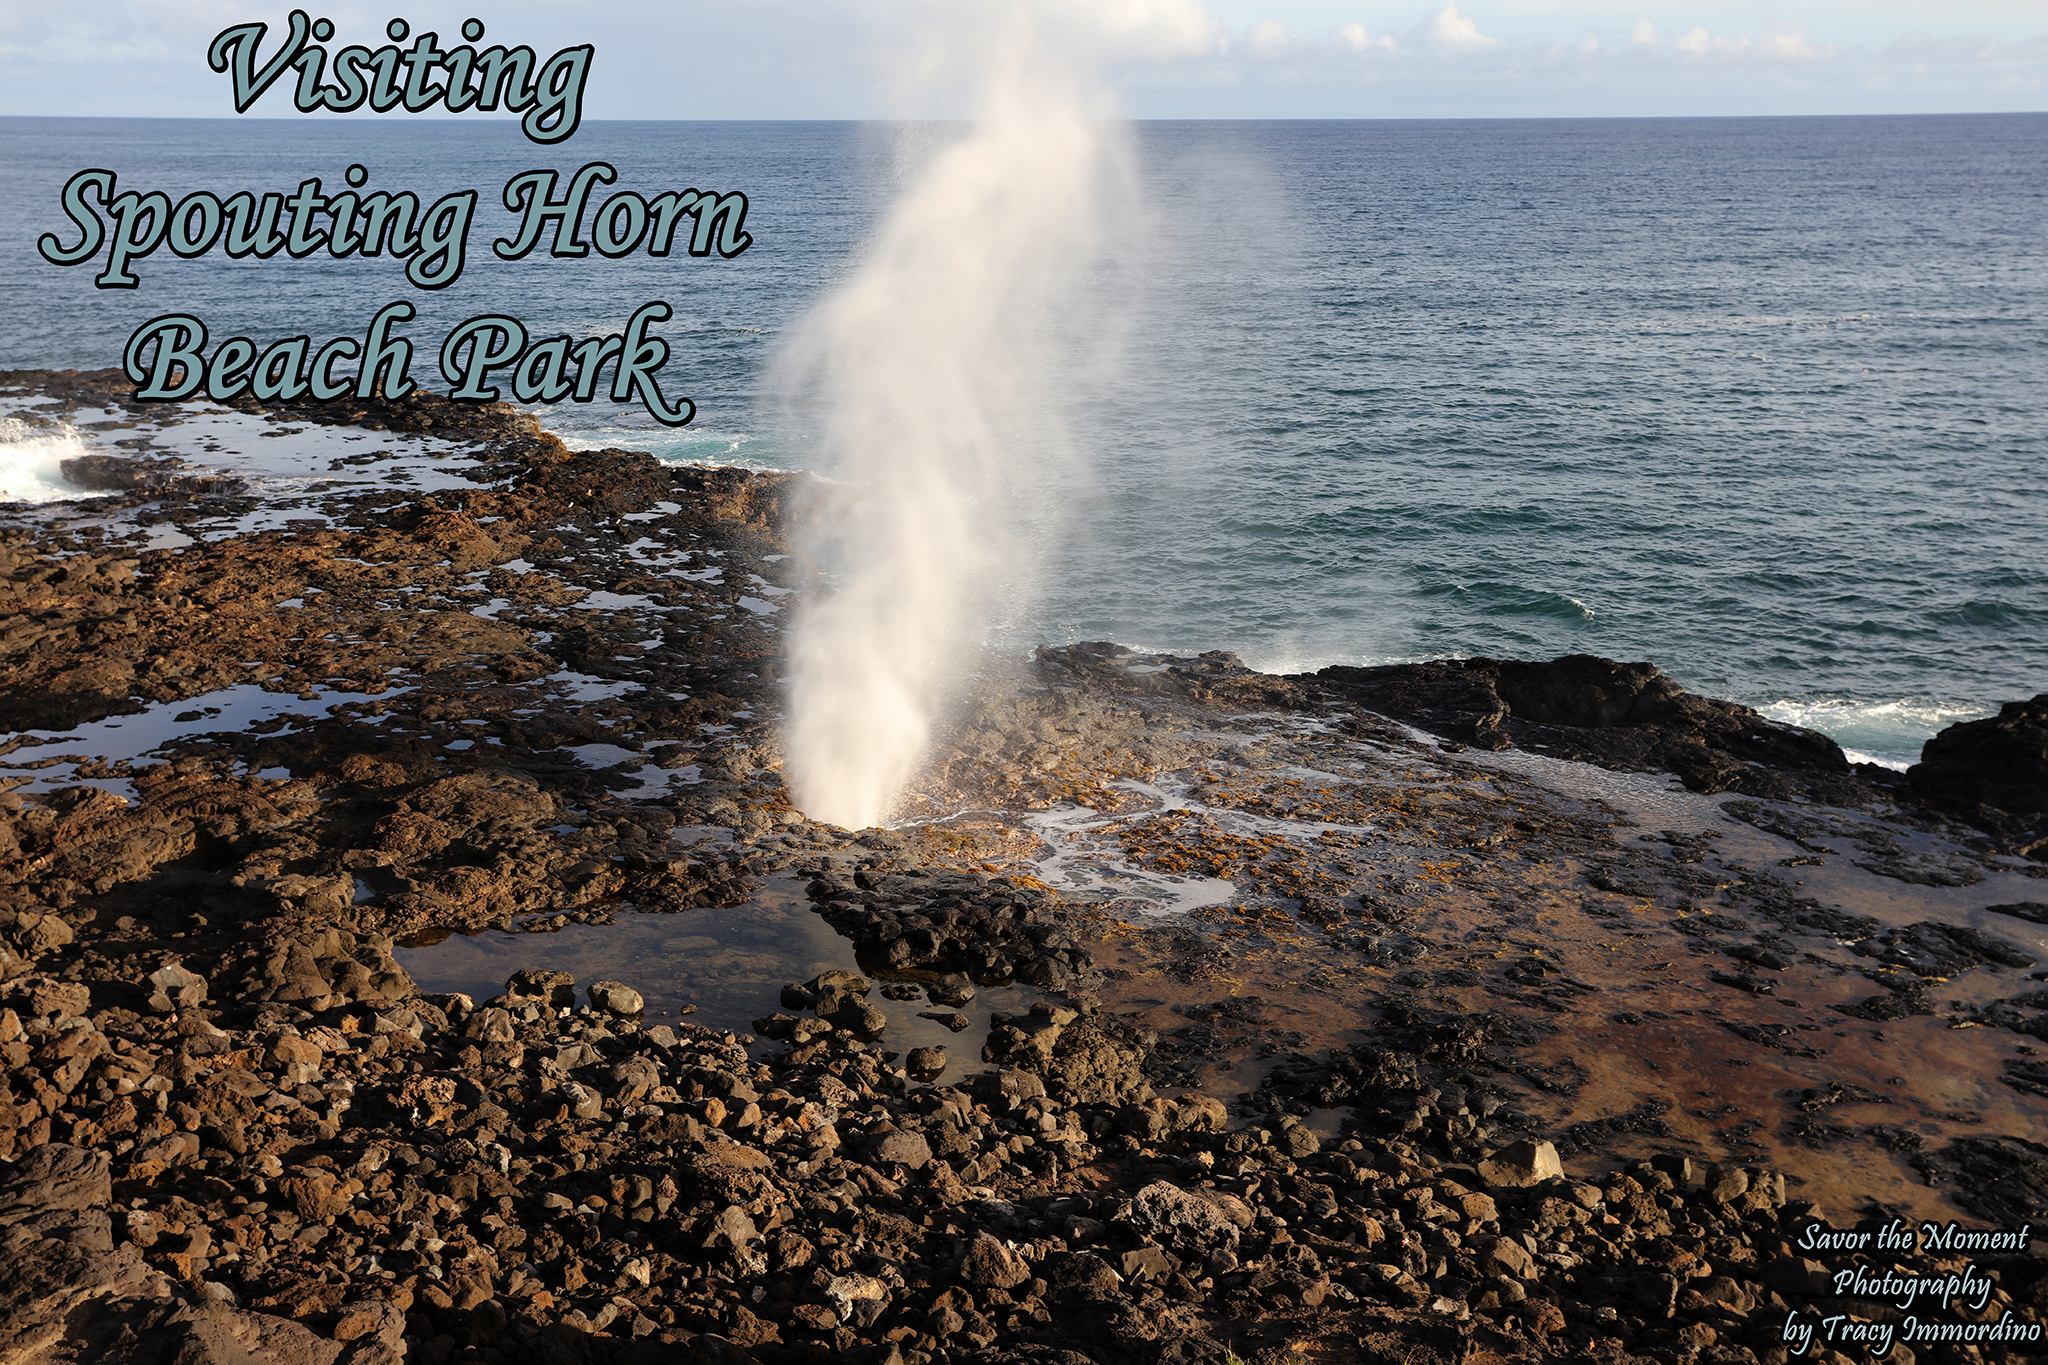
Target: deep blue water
[{"x": 1759, "y": 400}]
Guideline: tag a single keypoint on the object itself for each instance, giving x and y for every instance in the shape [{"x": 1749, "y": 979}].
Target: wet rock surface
[
  {"x": 1993, "y": 772},
  {"x": 1430, "y": 1084},
  {"x": 1619, "y": 715},
  {"x": 956, "y": 923}
]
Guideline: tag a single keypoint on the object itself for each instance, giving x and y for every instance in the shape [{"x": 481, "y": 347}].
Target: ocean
[{"x": 1763, "y": 401}]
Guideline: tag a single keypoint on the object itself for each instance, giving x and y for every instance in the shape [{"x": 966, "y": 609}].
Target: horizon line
[{"x": 1379, "y": 118}]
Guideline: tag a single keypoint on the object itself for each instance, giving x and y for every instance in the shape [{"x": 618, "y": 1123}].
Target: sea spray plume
[
  {"x": 32, "y": 461},
  {"x": 937, "y": 370}
]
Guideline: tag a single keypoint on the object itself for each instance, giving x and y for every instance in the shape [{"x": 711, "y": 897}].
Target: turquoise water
[{"x": 1760, "y": 400}]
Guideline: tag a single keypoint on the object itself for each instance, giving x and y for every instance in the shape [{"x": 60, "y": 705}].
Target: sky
[{"x": 836, "y": 59}]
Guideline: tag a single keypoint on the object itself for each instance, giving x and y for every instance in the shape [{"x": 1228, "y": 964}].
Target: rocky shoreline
[{"x": 1479, "y": 1061}]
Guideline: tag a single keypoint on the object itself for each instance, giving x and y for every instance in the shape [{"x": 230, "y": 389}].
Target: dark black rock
[
  {"x": 1933, "y": 949},
  {"x": 2034, "y": 912},
  {"x": 2003, "y": 1180},
  {"x": 1627, "y": 716},
  {"x": 2001, "y": 761}
]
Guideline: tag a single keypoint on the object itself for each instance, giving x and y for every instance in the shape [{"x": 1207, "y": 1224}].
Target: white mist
[
  {"x": 938, "y": 373},
  {"x": 32, "y": 458}
]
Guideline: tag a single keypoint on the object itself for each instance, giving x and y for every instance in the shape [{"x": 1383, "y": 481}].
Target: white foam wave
[
  {"x": 288, "y": 466},
  {"x": 31, "y": 461},
  {"x": 1887, "y": 733},
  {"x": 581, "y": 430}
]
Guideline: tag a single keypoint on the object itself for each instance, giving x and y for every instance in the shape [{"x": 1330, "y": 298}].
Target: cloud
[
  {"x": 1787, "y": 44},
  {"x": 1355, "y": 37},
  {"x": 1464, "y": 60},
  {"x": 1925, "y": 49},
  {"x": 1452, "y": 31},
  {"x": 1268, "y": 39},
  {"x": 1451, "y": 39},
  {"x": 1170, "y": 58},
  {"x": 1152, "y": 30}
]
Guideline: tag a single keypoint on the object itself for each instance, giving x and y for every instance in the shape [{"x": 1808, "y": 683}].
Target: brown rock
[
  {"x": 1147, "y": 1263},
  {"x": 989, "y": 1264},
  {"x": 316, "y": 1195},
  {"x": 216, "y": 1332},
  {"x": 633, "y": 1079},
  {"x": 1503, "y": 1256},
  {"x": 175, "y": 989},
  {"x": 50, "y": 1287},
  {"x": 1190, "y": 1222},
  {"x": 429, "y": 1100},
  {"x": 1520, "y": 1165},
  {"x": 724, "y": 1172},
  {"x": 327, "y": 969},
  {"x": 33, "y": 932},
  {"x": 748, "y": 1330},
  {"x": 557, "y": 988},
  {"x": 1795, "y": 1276},
  {"x": 898, "y": 1148},
  {"x": 1475, "y": 1206},
  {"x": 814, "y": 1317},
  {"x": 491, "y": 1026},
  {"x": 1200, "y": 1114},
  {"x": 374, "y": 1318},
  {"x": 1724, "y": 1183},
  {"x": 52, "y": 1177},
  {"x": 45, "y": 996},
  {"x": 616, "y": 998},
  {"x": 296, "y": 1060},
  {"x": 583, "y": 1103}
]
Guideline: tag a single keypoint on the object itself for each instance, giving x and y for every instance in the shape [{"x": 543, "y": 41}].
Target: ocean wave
[
  {"x": 1496, "y": 599},
  {"x": 1888, "y": 733},
  {"x": 1981, "y": 612},
  {"x": 1858, "y": 756},
  {"x": 32, "y": 458},
  {"x": 693, "y": 445}
]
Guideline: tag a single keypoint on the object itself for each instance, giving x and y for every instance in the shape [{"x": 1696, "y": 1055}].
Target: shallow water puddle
[
  {"x": 1085, "y": 862},
  {"x": 650, "y": 780},
  {"x": 730, "y": 962},
  {"x": 51, "y": 758},
  {"x": 1088, "y": 852},
  {"x": 286, "y": 474}
]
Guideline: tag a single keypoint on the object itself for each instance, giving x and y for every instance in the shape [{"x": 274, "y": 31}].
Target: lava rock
[
  {"x": 897, "y": 1147},
  {"x": 175, "y": 989},
  {"x": 55, "y": 1177},
  {"x": 2034, "y": 912},
  {"x": 1520, "y": 1165},
  {"x": 557, "y": 988},
  {"x": 1192, "y": 1222},
  {"x": 612, "y": 997},
  {"x": 988, "y": 1264},
  {"x": 2001, "y": 761},
  {"x": 1628, "y": 716},
  {"x": 31, "y": 932},
  {"x": 1930, "y": 948},
  {"x": 954, "y": 990}
]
